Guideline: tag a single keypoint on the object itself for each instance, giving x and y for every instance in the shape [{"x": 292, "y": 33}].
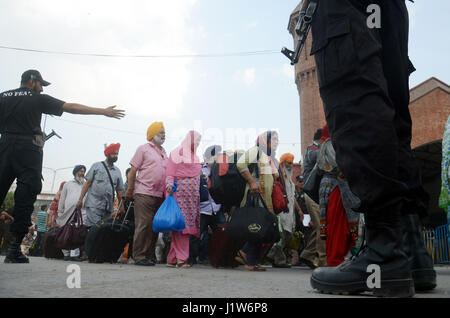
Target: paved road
[{"x": 47, "y": 278}]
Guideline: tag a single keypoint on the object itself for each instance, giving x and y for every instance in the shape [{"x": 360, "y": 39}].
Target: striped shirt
[{"x": 42, "y": 221}]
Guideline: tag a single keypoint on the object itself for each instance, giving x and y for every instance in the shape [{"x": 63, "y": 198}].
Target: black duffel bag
[
  {"x": 253, "y": 223},
  {"x": 49, "y": 245},
  {"x": 106, "y": 239}
]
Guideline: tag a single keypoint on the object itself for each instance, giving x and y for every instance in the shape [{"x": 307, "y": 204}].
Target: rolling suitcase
[
  {"x": 221, "y": 249},
  {"x": 106, "y": 240},
  {"x": 49, "y": 245}
]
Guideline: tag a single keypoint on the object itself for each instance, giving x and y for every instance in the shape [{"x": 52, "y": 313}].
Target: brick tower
[
  {"x": 311, "y": 107},
  {"x": 429, "y": 103}
]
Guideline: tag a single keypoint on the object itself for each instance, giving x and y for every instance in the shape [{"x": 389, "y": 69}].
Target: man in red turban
[
  {"x": 112, "y": 150},
  {"x": 103, "y": 183}
]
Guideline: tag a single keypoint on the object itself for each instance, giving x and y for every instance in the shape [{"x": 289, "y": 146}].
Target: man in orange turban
[
  {"x": 287, "y": 219},
  {"x": 156, "y": 132},
  {"x": 287, "y": 157},
  {"x": 146, "y": 181}
]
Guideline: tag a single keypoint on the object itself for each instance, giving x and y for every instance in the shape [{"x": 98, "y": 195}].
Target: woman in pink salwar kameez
[{"x": 185, "y": 168}]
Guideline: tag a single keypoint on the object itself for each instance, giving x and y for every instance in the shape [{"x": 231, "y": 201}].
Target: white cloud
[
  {"x": 246, "y": 77},
  {"x": 144, "y": 86},
  {"x": 251, "y": 25}
]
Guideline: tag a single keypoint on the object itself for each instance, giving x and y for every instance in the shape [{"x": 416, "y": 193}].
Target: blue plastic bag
[{"x": 169, "y": 216}]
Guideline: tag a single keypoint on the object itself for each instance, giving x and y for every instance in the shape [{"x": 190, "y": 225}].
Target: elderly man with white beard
[
  {"x": 286, "y": 220},
  {"x": 68, "y": 203},
  {"x": 146, "y": 182}
]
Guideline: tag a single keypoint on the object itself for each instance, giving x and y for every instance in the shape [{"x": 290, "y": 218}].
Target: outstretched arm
[{"x": 74, "y": 108}]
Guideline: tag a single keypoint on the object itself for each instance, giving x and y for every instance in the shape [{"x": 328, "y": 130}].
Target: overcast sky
[{"x": 228, "y": 99}]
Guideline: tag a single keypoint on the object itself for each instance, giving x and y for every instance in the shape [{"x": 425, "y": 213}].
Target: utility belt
[{"x": 37, "y": 139}]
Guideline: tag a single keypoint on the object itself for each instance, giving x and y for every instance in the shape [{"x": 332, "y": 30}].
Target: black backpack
[{"x": 227, "y": 185}]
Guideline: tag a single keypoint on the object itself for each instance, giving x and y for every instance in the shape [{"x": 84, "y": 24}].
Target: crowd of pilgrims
[{"x": 314, "y": 232}]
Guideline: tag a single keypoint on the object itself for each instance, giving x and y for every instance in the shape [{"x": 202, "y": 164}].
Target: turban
[
  {"x": 78, "y": 168},
  {"x": 154, "y": 129},
  {"x": 325, "y": 133},
  {"x": 287, "y": 157},
  {"x": 111, "y": 148},
  {"x": 212, "y": 151}
]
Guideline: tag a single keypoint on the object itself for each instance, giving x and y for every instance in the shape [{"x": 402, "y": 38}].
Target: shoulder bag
[
  {"x": 72, "y": 234},
  {"x": 110, "y": 179},
  {"x": 312, "y": 184}
]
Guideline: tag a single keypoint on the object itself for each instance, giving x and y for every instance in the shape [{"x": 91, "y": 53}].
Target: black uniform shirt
[
  {"x": 331, "y": 19},
  {"x": 21, "y": 110}
]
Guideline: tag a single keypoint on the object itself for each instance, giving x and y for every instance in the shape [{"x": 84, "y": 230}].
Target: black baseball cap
[{"x": 33, "y": 75}]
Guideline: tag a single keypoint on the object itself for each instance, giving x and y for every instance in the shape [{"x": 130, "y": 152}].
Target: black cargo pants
[
  {"x": 21, "y": 159},
  {"x": 363, "y": 76}
]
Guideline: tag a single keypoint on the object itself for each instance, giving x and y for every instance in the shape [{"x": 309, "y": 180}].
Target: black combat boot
[
  {"x": 383, "y": 248},
  {"x": 420, "y": 262},
  {"x": 14, "y": 254}
]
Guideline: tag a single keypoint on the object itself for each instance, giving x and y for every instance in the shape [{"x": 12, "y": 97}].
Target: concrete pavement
[{"x": 48, "y": 278}]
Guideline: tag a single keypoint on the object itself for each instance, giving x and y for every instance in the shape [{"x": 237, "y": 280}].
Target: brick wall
[
  {"x": 311, "y": 108},
  {"x": 429, "y": 115}
]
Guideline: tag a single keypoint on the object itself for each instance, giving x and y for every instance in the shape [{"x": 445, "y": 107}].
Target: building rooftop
[{"x": 427, "y": 86}]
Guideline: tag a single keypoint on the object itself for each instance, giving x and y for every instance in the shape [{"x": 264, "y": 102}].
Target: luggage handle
[
  {"x": 76, "y": 218},
  {"x": 126, "y": 214},
  {"x": 262, "y": 200},
  {"x": 253, "y": 199}
]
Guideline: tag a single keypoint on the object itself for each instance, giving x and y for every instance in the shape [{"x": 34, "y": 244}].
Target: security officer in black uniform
[
  {"x": 363, "y": 74},
  {"x": 21, "y": 146}
]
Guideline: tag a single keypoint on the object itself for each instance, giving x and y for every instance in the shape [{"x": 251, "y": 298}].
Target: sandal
[
  {"x": 255, "y": 268},
  {"x": 241, "y": 258},
  {"x": 171, "y": 265},
  {"x": 183, "y": 265}
]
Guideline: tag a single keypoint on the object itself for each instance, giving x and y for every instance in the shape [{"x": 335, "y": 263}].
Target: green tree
[{"x": 9, "y": 200}]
